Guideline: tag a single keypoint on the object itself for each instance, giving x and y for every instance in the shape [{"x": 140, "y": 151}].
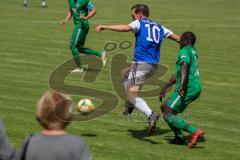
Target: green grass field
[{"x": 33, "y": 45}]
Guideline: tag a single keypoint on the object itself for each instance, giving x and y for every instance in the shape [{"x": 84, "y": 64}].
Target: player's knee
[
  {"x": 131, "y": 99},
  {"x": 131, "y": 96},
  {"x": 167, "y": 117},
  {"x": 162, "y": 107},
  {"x": 167, "y": 113}
]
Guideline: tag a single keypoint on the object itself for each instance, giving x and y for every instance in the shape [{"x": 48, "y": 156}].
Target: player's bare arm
[
  {"x": 171, "y": 82},
  {"x": 91, "y": 13},
  {"x": 119, "y": 28},
  {"x": 65, "y": 21},
  {"x": 184, "y": 77},
  {"x": 174, "y": 37}
]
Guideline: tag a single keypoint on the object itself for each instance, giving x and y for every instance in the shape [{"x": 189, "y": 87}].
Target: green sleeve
[{"x": 83, "y": 3}]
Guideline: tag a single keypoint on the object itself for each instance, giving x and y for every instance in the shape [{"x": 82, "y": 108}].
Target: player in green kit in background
[
  {"x": 81, "y": 11},
  {"x": 188, "y": 89}
]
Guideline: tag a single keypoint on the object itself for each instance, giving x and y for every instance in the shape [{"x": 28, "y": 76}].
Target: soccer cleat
[
  {"x": 128, "y": 108},
  {"x": 194, "y": 138},
  {"x": 177, "y": 140},
  {"x": 152, "y": 122},
  {"x": 78, "y": 70},
  {"x": 104, "y": 58}
]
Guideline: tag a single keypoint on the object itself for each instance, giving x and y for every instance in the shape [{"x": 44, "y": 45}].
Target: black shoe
[
  {"x": 177, "y": 140},
  {"x": 152, "y": 122},
  {"x": 128, "y": 108}
]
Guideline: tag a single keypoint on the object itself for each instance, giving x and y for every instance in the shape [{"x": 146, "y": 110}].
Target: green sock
[
  {"x": 90, "y": 51},
  {"x": 190, "y": 129},
  {"x": 76, "y": 56},
  {"x": 177, "y": 132},
  {"x": 180, "y": 123}
]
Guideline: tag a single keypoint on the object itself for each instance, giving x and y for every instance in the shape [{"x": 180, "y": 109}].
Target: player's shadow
[
  {"x": 170, "y": 138},
  {"x": 143, "y": 135},
  {"x": 187, "y": 139},
  {"x": 89, "y": 135}
]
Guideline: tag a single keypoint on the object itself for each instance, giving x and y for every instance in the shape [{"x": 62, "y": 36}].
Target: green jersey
[
  {"x": 188, "y": 54},
  {"x": 78, "y": 7}
]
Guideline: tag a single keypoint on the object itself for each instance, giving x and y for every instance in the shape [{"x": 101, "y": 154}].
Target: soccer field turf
[{"x": 33, "y": 45}]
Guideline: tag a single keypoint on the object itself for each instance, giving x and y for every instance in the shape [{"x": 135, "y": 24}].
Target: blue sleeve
[{"x": 90, "y": 6}]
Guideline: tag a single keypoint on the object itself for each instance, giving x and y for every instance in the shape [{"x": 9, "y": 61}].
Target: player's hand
[
  {"x": 164, "y": 91},
  {"x": 63, "y": 22},
  {"x": 99, "y": 28},
  {"x": 83, "y": 17}
]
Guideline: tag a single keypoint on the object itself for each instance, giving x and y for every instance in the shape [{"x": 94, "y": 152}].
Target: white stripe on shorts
[
  {"x": 175, "y": 101},
  {"x": 79, "y": 31}
]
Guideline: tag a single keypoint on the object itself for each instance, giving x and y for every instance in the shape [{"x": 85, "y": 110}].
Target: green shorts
[
  {"x": 178, "y": 103},
  {"x": 79, "y": 34}
]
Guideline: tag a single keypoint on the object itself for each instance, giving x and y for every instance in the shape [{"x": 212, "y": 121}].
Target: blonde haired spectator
[{"x": 53, "y": 114}]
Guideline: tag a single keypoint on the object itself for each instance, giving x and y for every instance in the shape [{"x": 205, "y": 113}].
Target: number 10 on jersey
[{"x": 153, "y": 33}]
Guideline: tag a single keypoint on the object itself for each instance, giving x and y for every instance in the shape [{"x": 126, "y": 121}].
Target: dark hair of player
[
  {"x": 141, "y": 8},
  {"x": 188, "y": 38}
]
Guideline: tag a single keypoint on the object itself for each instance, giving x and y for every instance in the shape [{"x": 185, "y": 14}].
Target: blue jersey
[{"x": 149, "y": 37}]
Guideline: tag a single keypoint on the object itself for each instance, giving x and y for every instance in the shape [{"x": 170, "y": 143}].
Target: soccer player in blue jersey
[{"x": 149, "y": 37}]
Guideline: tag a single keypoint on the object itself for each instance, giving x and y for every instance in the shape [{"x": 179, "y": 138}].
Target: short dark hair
[
  {"x": 188, "y": 36},
  {"x": 141, "y": 8}
]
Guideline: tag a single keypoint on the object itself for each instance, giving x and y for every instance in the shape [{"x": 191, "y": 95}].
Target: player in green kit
[
  {"x": 188, "y": 89},
  {"x": 81, "y": 11}
]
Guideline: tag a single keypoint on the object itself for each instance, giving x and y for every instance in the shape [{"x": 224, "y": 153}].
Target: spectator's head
[
  {"x": 53, "y": 110},
  {"x": 187, "y": 38},
  {"x": 140, "y": 11}
]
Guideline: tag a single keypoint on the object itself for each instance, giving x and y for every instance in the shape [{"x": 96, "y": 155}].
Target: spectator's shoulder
[{"x": 76, "y": 139}]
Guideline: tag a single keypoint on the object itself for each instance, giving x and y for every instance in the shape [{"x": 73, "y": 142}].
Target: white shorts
[{"x": 138, "y": 73}]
